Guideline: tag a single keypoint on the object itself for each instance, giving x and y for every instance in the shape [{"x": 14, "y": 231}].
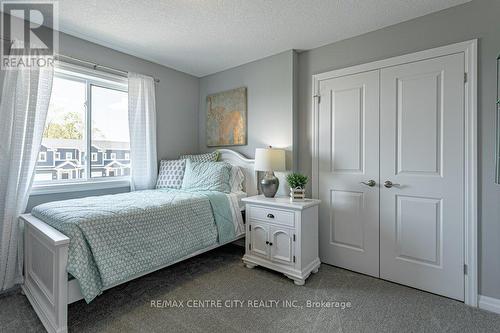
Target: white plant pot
[{"x": 297, "y": 194}]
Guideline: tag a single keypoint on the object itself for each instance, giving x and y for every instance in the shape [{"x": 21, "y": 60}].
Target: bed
[{"x": 117, "y": 238}]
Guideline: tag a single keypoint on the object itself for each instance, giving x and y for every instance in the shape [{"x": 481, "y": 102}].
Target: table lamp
[{"x": 269, "y": 160}]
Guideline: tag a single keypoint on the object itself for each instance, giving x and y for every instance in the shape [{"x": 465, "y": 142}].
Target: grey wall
[
  {"x": 270, "y": 89},
  {"x": 177, "y": 99},
  {"x": 477, "y": 19},
  {"x": 272, "y": 101},
  {"x": 36, "y": 200},
  {"x": 176, "y": 94}
]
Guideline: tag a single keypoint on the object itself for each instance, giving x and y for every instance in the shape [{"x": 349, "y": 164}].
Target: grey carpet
[{"x": 377, "y": 306}]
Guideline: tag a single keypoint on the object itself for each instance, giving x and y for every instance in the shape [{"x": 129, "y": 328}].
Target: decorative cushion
[
  {"x": 206, "y": 157},
  {"x": 237, "y": 178},
  {"x": 171, "y": 174},
  {"x": 207, "y": 176}
]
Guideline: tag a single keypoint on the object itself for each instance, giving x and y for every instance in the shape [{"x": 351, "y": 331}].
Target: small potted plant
[{"x": 297, "y": 183}]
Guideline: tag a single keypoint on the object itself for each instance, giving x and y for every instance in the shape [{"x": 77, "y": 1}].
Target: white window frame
[
  {"x": 57, "y": 155},
  {"x": 44, "y": 154},
  {"x": 91, "y": 78},
  {"x": 127, "y": 156},
  {"x": 112, "y": 156},
  {"x": 68, "y": 156},
  {"x": 94, "y": 157}
]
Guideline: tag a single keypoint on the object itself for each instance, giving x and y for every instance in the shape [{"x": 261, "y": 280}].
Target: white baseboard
[{"x": 489, "y": 303}]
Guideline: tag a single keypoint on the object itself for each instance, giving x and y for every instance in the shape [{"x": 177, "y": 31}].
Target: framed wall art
[{"x": 227, "y": 118}]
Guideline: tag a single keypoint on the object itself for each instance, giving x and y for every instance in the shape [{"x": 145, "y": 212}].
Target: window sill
[{"x": 41, "y": 189}]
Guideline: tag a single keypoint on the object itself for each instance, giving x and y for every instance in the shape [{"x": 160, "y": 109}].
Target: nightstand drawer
[{"x": 278, "y": 216}]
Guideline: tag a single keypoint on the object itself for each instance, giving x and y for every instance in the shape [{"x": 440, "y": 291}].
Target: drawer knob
[{"x": 271, "y": 216}]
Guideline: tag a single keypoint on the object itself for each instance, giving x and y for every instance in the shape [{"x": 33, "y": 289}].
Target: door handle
[
  {"x": 389, "y": 184},
  {"x": 370, "y": 183}
]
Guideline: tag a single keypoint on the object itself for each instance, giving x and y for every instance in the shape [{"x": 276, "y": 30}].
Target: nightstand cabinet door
[
  {"x": 281, "y": 245},
  {"x": 259, "y": 239}
]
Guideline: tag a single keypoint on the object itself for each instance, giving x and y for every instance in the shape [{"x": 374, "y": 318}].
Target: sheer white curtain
[
  {"x": 142, "y": 127},
  {"x": 23, "y": 110}
]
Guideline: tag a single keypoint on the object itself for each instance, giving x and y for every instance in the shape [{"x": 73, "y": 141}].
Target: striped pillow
[{"x": 206, "y": 157}]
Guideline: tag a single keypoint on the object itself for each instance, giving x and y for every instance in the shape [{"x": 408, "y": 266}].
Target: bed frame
[{"x": 46, "y": 282}]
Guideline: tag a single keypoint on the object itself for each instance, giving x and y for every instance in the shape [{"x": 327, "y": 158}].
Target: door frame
[{"x": 469, "y": 49}]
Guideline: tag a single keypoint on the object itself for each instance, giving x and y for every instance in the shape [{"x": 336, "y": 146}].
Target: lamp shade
[{"x": 269, "y": 159}]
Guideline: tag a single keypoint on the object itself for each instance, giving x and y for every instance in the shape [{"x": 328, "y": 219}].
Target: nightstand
[{"x": 282, "y": 236}]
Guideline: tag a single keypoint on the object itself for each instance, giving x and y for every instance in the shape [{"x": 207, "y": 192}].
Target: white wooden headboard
[{"x": 246, "y": 164}]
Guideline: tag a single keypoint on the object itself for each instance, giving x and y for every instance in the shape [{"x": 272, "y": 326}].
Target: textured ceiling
[{"x": 201, "y": 37}]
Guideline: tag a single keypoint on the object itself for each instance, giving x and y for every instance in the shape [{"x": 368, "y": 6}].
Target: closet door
[
  {"x": 422, "y": 154},
  {"x": 348, "y": 157}
]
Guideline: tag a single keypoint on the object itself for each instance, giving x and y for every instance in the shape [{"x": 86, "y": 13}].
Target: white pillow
[
  {"x": 171, "y": 174},
  {"x": 237, "y": 178}
]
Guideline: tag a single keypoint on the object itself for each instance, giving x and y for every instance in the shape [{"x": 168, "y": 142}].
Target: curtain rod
[
  {"x": 96, "y": 65},
  {"x": 90, "y": 63}
]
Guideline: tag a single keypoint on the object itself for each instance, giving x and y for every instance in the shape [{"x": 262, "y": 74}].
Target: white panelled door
[
  {"x": 422, "y": 150},
  {"x": 349, "y": 156},
  {"x": 402, "y": 128}
]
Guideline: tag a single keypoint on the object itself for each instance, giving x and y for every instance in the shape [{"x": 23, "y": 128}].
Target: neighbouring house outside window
[{"x": 88, "y": 116}]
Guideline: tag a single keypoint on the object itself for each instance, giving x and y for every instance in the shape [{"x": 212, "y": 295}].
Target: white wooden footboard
[{"x": 46, "y": 279}]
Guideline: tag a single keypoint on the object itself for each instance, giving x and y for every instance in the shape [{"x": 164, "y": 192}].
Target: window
[
  {"x": 88, "y": 111},
  {"x": 109, "y": 129},
  {"x": 42, "y": 156},
  {"x": 127, "y": 156}
]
